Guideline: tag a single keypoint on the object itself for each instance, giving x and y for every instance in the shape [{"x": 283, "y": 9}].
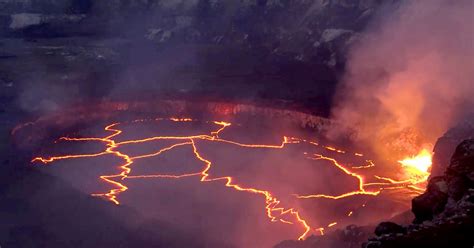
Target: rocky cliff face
[
  {"x": 53, "y": 51},
  {"x": 444, "y": 213},
  {"x": 302, "y": 29},
  {"x": 446, "y": 145}
]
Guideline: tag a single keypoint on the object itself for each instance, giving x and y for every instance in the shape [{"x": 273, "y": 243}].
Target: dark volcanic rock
[
  {"x": 445, "y": 212},
  {"x": 462, "y": 161},
  {"x": 445, "y": 145},
  {"x": 303, "y": 30},
  {"x": 388, "y": 227},
  {"x": 425, "y": 206},
  {"x": 55, "y": 51}
]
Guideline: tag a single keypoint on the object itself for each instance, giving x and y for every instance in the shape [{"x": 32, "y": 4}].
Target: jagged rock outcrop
[
  {"x": 426, "y": 206},
  {"x": 388, "y": 227},
  {"x": 446, "y": 145},
  {"x": 444, "y": 213},
  {"x": 261, "y": 49},
  {"x": 302, "y": 29}
]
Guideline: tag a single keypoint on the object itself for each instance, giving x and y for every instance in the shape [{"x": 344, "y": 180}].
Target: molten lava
[
  {"x": 275, "y": 209},
  {"x": 417, "y": 167}
]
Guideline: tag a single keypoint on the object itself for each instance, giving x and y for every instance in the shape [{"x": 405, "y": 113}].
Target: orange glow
[
  {"x": 370, "y": 164},
  {"x": 180, "y": 119},
  {"x": 275, "y": 210},
  {"x": 223, "y": 124},
  {"x": 332, "y": 224},
  {"x": 417, "y": 167},
  {"x": 360, "y": 191},
  {"x": 334, "y": 149}
]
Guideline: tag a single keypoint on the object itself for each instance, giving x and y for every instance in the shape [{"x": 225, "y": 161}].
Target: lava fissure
[{"x": 273, "y": 206}]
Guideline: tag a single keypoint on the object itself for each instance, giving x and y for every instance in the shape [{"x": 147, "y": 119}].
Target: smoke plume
[{"x": 409, "y": 78}]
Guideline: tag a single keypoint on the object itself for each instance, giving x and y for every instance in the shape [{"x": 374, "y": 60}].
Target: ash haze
[{"x": 410, "y": 77}]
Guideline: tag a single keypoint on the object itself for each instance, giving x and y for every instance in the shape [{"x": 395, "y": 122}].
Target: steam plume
[{"x": 409, "y": 78}]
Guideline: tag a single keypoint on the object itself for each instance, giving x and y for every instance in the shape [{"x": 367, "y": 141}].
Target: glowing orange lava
[
  {"x": 417, "y": 167},
  {"x": 275, "y": 210},
  {"x": 332, "y": 224}
]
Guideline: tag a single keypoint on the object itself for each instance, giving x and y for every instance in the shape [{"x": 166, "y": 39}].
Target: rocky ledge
[{"x": 444, "y": 214}]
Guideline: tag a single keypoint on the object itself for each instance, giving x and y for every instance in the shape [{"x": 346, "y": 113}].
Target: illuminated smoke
[{"x": 409, "y": 78}]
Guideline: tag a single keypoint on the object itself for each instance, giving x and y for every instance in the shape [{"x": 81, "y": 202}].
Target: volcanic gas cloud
[{"x": 409, "y": 79}]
